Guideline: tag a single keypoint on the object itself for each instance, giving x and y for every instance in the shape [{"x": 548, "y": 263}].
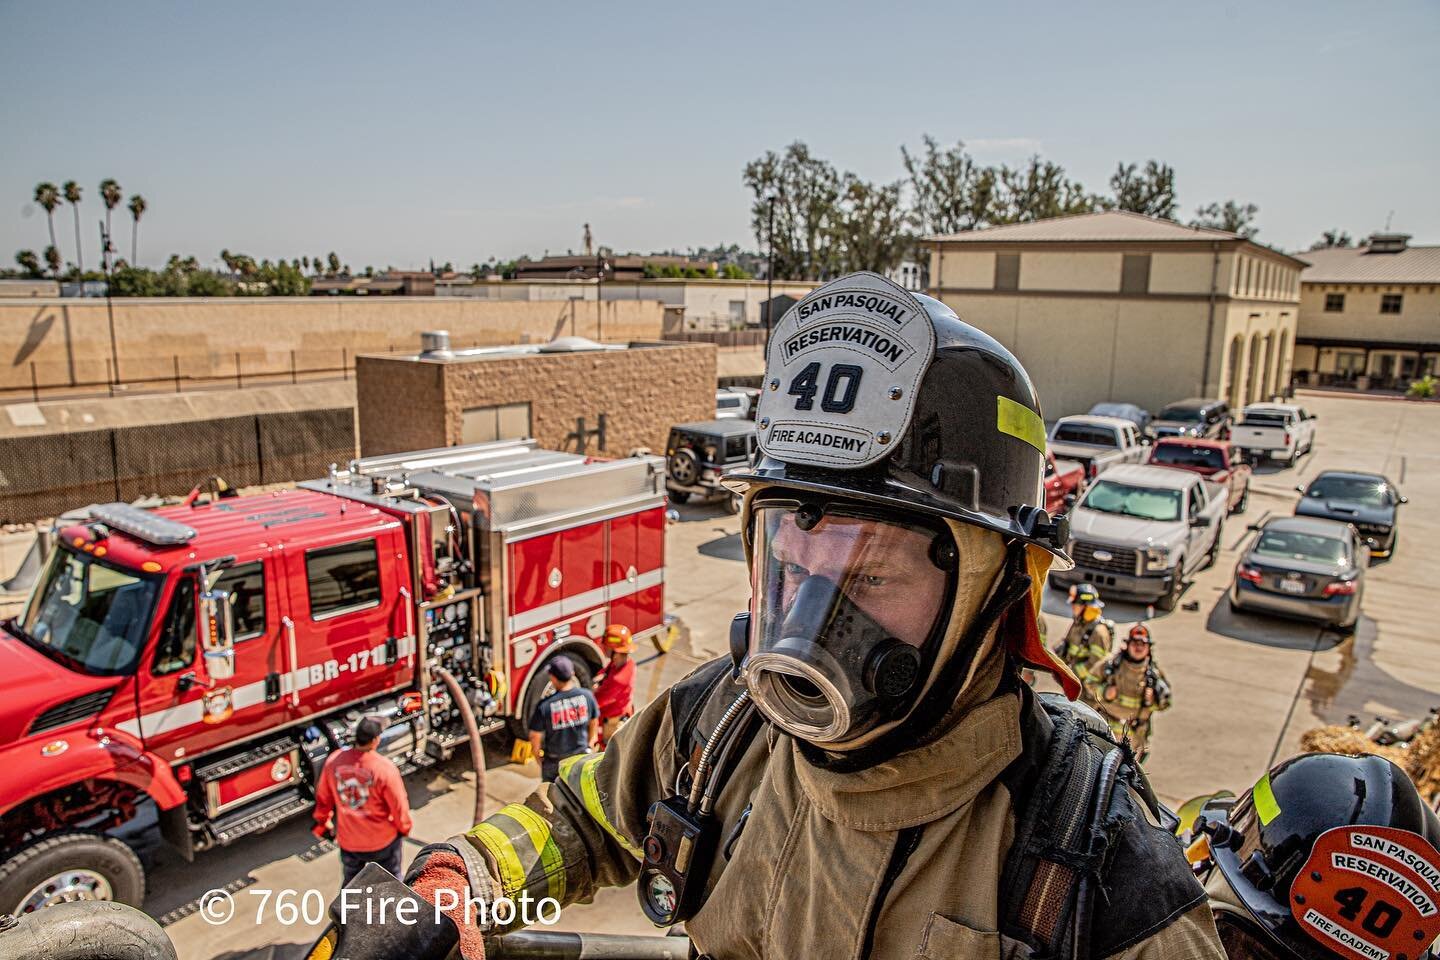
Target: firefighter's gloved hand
[
  {"x": 379, "y": 918},
  {"x": 443, "y": 873}
]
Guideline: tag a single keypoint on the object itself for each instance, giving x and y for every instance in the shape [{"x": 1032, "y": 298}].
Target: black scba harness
[{"x": 1087, "y": 874}]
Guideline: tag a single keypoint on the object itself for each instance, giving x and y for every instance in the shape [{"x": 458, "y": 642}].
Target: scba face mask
[{"x": 849, "y": 606}]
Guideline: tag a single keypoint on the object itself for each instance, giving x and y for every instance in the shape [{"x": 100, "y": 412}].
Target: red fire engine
[{"x": 208, "y": 656}]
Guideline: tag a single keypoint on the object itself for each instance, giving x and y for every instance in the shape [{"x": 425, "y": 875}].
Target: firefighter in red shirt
[
  {"x": 615, "y": 691},
  {"x": 365, "y": 792}
]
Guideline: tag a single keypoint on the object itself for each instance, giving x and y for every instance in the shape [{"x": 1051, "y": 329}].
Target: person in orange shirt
[
  {"x": 364, "y": 791},
  {"x": 615, "y": 692}
]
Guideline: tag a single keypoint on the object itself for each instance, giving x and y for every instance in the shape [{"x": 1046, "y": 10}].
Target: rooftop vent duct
[
  {"x": 1388, "y": 242},
  {"x": 435, "y": 345},
  {"x": 570, "y": 345}
]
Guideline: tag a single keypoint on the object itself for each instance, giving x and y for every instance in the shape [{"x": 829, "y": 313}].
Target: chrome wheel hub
[{"x": 66, "y": 887}]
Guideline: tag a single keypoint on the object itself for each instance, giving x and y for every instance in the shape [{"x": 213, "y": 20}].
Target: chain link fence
[{"x": 42, "y": 476}]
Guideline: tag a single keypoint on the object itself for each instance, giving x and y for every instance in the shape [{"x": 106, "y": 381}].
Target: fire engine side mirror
[{"x": 217, "y": 634}]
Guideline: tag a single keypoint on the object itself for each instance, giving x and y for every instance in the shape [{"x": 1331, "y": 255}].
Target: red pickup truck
[
  {"x": 1064, "y": 482},
  {"x": 1215, "y": 460}
]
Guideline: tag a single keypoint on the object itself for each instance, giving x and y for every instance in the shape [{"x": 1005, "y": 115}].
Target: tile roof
[
  {"x": 1111, "y": 225},
  {"x": 1359, "y": 265}
]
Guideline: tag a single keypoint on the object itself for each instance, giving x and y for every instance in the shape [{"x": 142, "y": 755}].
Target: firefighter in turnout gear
[
  {"x": 1087, "y": 642},
  {"x": 1326, "y": 856},
  {"x": 1130, "y": 689},
  {"x": 865, "y": 775}
]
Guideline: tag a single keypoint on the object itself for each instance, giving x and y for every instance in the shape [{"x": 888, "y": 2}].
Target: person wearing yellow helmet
[
  {"x": 615, "y": 690},
  {"x": 1087, "y": 642}
]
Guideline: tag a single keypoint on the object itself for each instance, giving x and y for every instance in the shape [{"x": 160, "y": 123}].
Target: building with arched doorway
[{"x": 1117, "y": 306}]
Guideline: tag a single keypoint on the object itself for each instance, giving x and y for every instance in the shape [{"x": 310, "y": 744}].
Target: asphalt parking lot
[{"x": 1245, "y": 687}]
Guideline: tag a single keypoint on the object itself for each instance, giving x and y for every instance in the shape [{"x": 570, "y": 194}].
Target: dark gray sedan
[
  {"x": 1304, "y": 569},
  {"x": 1367, "y": 500}
]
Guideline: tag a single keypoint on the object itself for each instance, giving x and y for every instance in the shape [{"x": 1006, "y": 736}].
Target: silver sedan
[{"x": 1305, "y": 569}]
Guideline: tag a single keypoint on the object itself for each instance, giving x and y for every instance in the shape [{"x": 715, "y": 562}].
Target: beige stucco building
[
  {"x": 1121, "y": 307},
  {"x": 1369, "y": 316}
]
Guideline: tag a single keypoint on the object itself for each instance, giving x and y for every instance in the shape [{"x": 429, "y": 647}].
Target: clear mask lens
[{"x": 846, "y": 606}]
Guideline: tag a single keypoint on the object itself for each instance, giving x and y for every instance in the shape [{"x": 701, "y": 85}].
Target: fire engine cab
[{"x": 208, "y": 656}]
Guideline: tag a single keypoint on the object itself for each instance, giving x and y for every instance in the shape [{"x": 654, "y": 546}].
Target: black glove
[{"x": 364, "y": 932}]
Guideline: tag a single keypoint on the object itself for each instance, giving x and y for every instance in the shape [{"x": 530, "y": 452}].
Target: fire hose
[
  {"x": 477, "y": 749},
  {"x": 85, "y": 930}
]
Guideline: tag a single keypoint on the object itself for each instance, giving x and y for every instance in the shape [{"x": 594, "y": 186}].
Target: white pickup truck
[
  {"x": 1280, "y": 431},
  {"x": 1139, "y": 531},
  {"x": 1097, "y": 443}
]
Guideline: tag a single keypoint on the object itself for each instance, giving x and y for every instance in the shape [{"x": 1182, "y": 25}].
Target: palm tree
[
  {"x": 72, "y": 197},
  {"x": 305, "y": 262},
  {"x": 111, "y": 193},
  {"x": 333, "y": 261},
  {"x": 137, "y": 208},
  {"x": 48, "y": 196},
  {"x": 52, "y": 259},
  {"x": 29, "y": 262}
]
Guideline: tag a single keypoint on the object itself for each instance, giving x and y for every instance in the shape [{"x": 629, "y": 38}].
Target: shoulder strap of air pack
[{"x": 1087, "y": 873}]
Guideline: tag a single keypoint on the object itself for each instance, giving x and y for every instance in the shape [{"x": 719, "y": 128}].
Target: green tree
[
  {"x": 333, "y": 262},
  {"x": 870, "y": 226},
  {"x": 137, "y": 210},
  {"x": 733, "y": 271},
  {"x": 30, "y": 263},
  {"x": 318, "y": 263},
  {"x": 1231, "y": 217},
  {"x": 1150, "y": 191},
  {"x": 1038, "y": 191},
  {"x": 111, "y": 194},
  {"x": 128, "y": 281},
  {"x": 48, "y": 196},
  {"x": 1332, "y": 238},
  {"x": 804, "y": 191},
  {"x": 950, "y": 193},
  {"x": 52, "y": 260},
  {"x": 72, "y": 197},
  {"x": 305, "y": 263},
  {"x": 205, "y": 283}
]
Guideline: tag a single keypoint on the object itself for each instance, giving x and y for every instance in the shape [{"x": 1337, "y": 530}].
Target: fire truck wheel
[
  {"x": 70, "y": 866},
  {"x": 520, "y": 726},
  {"x": 679, "y": 496}
]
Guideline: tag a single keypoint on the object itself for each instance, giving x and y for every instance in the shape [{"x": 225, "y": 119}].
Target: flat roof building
[
  {"x": 1369, "y": 315},
  {"x": 1121, "y": 307}
]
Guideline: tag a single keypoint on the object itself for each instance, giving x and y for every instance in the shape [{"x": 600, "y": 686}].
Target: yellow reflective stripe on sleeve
[
  {"x": 1266, "y": 807},
  {"x": 1128, "y": 702},
  {"x": 568, "y": 764},
  {"x": 512, "y": 874},
  {"x": 544, "y": 841},
  {"x": 590, "y": 795},
  {"x": 1020, "y": 422}
]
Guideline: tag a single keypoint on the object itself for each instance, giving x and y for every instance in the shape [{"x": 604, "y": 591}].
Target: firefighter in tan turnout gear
[
  {"x": 1130, "y": 689},
  {"x": 1087, "y": 642},
  {"x": 865, "y": 775}
]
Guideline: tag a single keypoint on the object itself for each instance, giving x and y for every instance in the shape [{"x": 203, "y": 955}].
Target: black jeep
[{"x": 698, "y": 455}]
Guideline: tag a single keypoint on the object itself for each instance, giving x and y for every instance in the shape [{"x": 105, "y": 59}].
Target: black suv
[
  {"x": 698, "y": 455},
  {"x": 1196, "y": 417}
]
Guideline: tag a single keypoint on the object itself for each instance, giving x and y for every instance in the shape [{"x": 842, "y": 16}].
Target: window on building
[
  {"x": 343, "y": 578},
  {"x": 737, "y": 313},
  {"x": 1390, "y": 302},
  {"x": 1334, "y": 303},
  {"x": 1135, "y": 273},
  {"x": 1007, "y": 271},
  {"x": 1349, "y": 364},
  {"x": 509, "y": 421}
]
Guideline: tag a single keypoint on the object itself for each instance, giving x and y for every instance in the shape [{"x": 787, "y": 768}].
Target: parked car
[
  {"x": 1064, "y": 482},
  {"x": 1097, "y": 443},
  {"x": 1280, "y": 431},
  {"x": 1125, "y": 411},
  {"x": 1196, "y": 417},
  {"x": 1367, "y": 500},
  {"x": 733, "y": 405},
  {"x": 1303, "y": 568},
  {"x": 1139, "y": 531},
  {"x": 699, "y": 455},
  {"x": 1215, "y": 460}
]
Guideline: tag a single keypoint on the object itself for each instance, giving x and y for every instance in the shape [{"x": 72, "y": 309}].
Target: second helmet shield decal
[{"x": 842, "y": 373}]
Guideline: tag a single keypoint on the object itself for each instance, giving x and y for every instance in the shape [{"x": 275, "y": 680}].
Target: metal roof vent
[
  {"x": 435, "y": 345},
  {"x": 570, "y": 345},
  {"x": 1388, "y": 242}
]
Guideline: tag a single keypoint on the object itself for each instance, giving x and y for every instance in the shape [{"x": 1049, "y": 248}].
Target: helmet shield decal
[
  {"x": 1370, "y": 893},
  {"x": 843, "y": 373}
]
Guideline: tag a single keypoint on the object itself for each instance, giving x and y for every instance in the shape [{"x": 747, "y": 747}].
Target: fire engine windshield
[{"x": 88, "y": 614}]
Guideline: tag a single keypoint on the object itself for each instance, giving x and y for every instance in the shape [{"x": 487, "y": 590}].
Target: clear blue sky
[{"x": 394, "y": 133}]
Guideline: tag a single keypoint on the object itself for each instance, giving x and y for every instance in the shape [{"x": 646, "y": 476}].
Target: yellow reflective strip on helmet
[
  {"x": 1266, "y": 807},
  {"x": 544, "y": 841},
  {"x": 590, "y": 795},
  {"x": 512, "y": 873},
  {"x": 1020, "y": 422}
]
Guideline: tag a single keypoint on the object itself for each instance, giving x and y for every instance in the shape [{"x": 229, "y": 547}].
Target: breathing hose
[{"x": 477, "y": 749}]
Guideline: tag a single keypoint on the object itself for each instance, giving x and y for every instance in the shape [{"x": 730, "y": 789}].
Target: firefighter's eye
[{"x": 793, "y": 571}]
